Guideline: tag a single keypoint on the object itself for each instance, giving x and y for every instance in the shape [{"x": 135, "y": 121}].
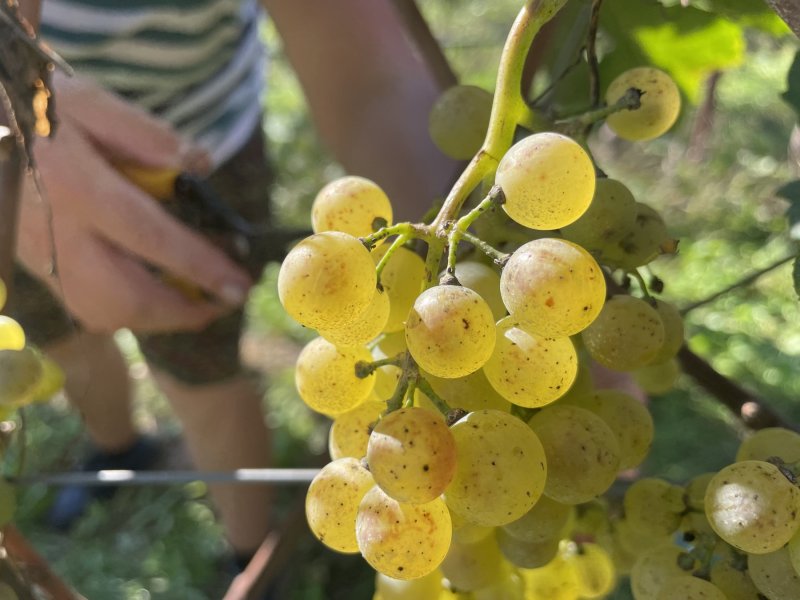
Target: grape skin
[
  {"x": 412, "y": 455},
  {"x": 687, "y": 587},
  {"x": 469, "y": 567},
  {"x": 752, "y": 506},
  {"x": 326, "y": 279},
  {"x": 450, "y": 331},
  {"x": 593, "y": 568},
  {"x": 641, "y": 244},
  {"x": 553, "y": 286},
  {"x": 471, "y": 392},
  {"x": 673, "y": 331},
  {"x": 610, "y": 215},
  {"x": 350, "y": 204},
  {"x": 349, "y": 433},
  {"x": 365, "y": 327},
  {"x": 459, "y": 119},
  {"x": 658, "y": 378},
  {"x": 12, "y": 337},
  {"x": 20, "y": 373},
  {"x": 654, "y": 506},
  {"x": 483, "y": 279},
  {"x": 772, "y": 441},
  {"x": 659, "y": 108},
  {"x": 774, "y": 575},
  {"x": 544, "y": 521},
  {"x": 524, "y": 554},
  {"x": 653, "y": 570},
  {"x": 402, "y": 278},
  {"x": 548, "y": 181},
  {"x": 424, "y": 588},
  {"x": 735, "y": 584},
  {"x": 404, "y": 541}
]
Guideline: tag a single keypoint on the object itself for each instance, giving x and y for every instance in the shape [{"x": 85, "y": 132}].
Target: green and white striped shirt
[{"x": 198, "y": 64}]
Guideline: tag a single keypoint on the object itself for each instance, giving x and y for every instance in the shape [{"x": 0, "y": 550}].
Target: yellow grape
[
  {"x": 660, "y": 104},
  {"x": 794, "y": 551},
  {"x": 412, "y": 455},
  {"x": 469, "y": 567},
  {"x": 753, "y": 507},
  {"x": 633, "y": 541},
  {"x": 459, "y": 119},
  {"x": 3, "y": 294},
  {"x": 734, "y": 582},
  {"x": 450, "y": 331},
  {"x": 772, "y": 441},
  {"x": 687, "y": 587},
  {"x": 658, "y": 378},
  {"x": 326, "y": 379},
  {"x": 485, "y": 280},
  {"x": 553, "y": 286},
  {"x": 471, "y": 392},
  {"x": 524, "y": 554},
  {"x": 402, "y": 280},
  {"x": 628, "y": 418},
  {"x": 501, "y": 468},
  {"x": 673, "y": 330},
  {"x": 582, "y": 453},
  {"x": 465, "y": 532},
  {"x": 542, "y": 522},
  {"x": 626, "y": 335},
  {"x": 326, "y": 279},
  {"x": 554, "y": 581},
  {"x": 774, "y": 576},
  {"x": 696, "y": 491},
  {"x": 593, "y": 567},
  {"x": 350, "y": 204},
  {"x": 654, "y": 506},
  {"x": 645, "y": 241},
  {"x": 610, "y": 216},
  {"x": 11, "y": 335},
  {"x": 50, "y": 383},
  {"x": 548, "y": 181},
  {"x": 583, "y": 384},
  {"x": 428, "y": 587},
  {"x": 529, "y": 370},
  {"x": 349, "y": 433},
  {"x": 365, "y": 327},
  {"x": 511, "y": 586},
  {"x": 653, "y": 569},
  {"x": 332, "y": 502},
  {"x": 20, "y": 373},
  {"x": 404, "y": 541}
]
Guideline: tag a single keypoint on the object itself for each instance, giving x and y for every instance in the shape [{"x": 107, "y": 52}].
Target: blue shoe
[{"x": 72, "y": 501}]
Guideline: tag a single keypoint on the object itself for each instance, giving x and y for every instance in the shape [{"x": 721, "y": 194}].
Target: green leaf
[
  {"x": 791, "y": 192},
  {"x": 792, "y": 94},
  {"x": 749, "y": 13}
]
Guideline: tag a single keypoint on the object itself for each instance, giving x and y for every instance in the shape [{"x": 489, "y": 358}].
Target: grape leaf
[
  {"x": 749, "y": 13},
  {"x": 792, "y": 94},
  {"x": 791, "y": 192}
]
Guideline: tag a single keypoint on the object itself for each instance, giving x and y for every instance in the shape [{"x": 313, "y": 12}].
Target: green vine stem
[
  {"x": 642, "y": 285},
  {"x": 425, "y": 387},
  {"x": 499, "y": 258},
  {"x": 365, "y": 369},
  {"x": 630, "y": 100},
  {"x": 399, "y": 241},
  {"x": 457, "y": 231}
]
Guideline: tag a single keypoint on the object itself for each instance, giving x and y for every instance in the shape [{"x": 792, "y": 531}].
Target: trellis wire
[{"x": 118, "y": 477}]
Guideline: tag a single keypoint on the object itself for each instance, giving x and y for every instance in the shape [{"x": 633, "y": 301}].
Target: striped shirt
[{"x": 198, "y": 64}]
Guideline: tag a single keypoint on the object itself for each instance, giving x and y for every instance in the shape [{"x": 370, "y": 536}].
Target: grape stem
[
  {"x": 408, "y": 230},
  {"x": 459, "y": 229},
  {"x": 426, "y": 388},
  {"x": 365, "y": 369},
  {"x": 642, "y": 285},
  {"x": 630, "y": 100},
  {"x": 410, "y": 373},
  {"x": 399, "y": 241},
  {"x": 499, "y": 258}
]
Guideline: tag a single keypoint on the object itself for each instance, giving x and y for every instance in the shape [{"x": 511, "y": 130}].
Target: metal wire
[{"x": 131, "y": 478}]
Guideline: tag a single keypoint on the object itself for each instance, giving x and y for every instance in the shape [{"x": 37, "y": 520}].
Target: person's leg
[{"x": 224, "y": 428}]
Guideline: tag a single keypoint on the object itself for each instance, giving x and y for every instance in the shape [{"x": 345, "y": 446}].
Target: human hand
[{"x": 92, "y": 233}]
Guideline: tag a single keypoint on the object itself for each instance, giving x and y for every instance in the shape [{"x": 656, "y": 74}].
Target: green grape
[
  {"x": 696, "y": 523},
  {"x": 11, "y": 335},
  {"x": 3, "y": 294},
  {"x": 459, "y": 119},
  {"x": 511, "y": 586},
  {"x": 543, "y": 522},
  {"x": 660, "y": 104},
  {"x": 673, "y": 331},
  {"x": 633, "y": 541},
  {"x": 349, "y": 433},
  {"x": 350, "y": 204},
  {"x": 553, "y": 286},
  {"x": 529, "y": 370},
  {"x": 326, "y": 279},
  {"x": 554, "y": 581},
  {"x": 696, "y": 491},
  {"x": 658, "y": 378},
  {"x": 628, "y": 418},
  {"x": 653, "y": 569},
  {"x": 582, "y": 453},
  {"x": 610, "y": 215},
  {"x": 450, "y": 331},
  {"x": 20, "y": 373},
  {"x": 583, "y": 384},
  {"x": 412, "y": 455},
  {"x": 794, "y": 551},
  {"x": 773, "y": 575},
  {"x": 687, "y": 587},
  {"x": 326, "y": 379},
  {"x": 402, "y": 279},
  {"x": 626, "y": 335},
  {"x": 366, "y": 327},
  {"x": 654, "y": 506},
  {"x": 524, "y": 554},
  {"x": 50, "y": 383},
  {"x": 501, "y": 468},
  {"x": 733, "y": 582},
  {"x": 484, "y": 280},
  {"x": 645, "y": 241},
  {"x": 752, "y": 506},
  {"x": 471, "y": 392},
  {"x": 548, "y": 181},
  {"x": 404, "y": 541},
  {"x": 386, "y": 377},
  {"x": 465, "y": 532},
  {"x": 332, "y": 502},
  {"x": 428, "y": 587},
  {"x": 771, "y": 442},
  {"x": 470, "y": 567},
  {"x": 593, "y": 568}
]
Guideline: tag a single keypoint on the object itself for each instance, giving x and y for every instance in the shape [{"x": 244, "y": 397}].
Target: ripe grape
[
  {"x": 553, "y": 286},
  {"x": 593, "y": 568},
  {"x": 326, "y": 377},
  {"x": 450, "y": 331},
  {"x": 544, "y": 521},
  {"x": 673, "y": 331},
  {"x": 465, "y": 532},
  {"x": 658, "y": 378},
  {"x": 469, "y": 567},
  {"x": 626, "y": 335},
  {"x": 752, "y": 506},
  {"x": 646, "y": 240},
  {"x": 459, "y": 119},
  {"x": 326, "y": 279},
  {"x": 471, "y": 392},
  {"x": 485, "y": 280},
  {"x": 349, "y": 433},
  {"x": 660, "y": 104},
  {"x": 610, "y": 216},
  {"x": 696, "y": 491},
  {"x": 501, "y": 468},
  {"x": 511, "y": 586},
  {"x": 772, "y": 441},
  {"x": 401, "y": 279},
  {"x": 404, "y": 541},
  {"x": 628, "y": 418},
  {"x": 3, "y": 294},
  {"x": 525, "y": 554},
  {"x": 11, "y": 335},
  {"x": 412, "y": 455},
  {"x": 548, "y": 181},
  {"x": 554, "y": 581},
  {"x": 428, "y": 587},
  {"x": 365, "y": 327},
  {"x": 654, "y": 569},
  {"x": 350, "y": 204},
  {"x": 735, "y": 583},
  {"x": 774, "y": 575},
  {"x": 687, "y": 587},
  {"x": 582, "y": 453},
  {"x": 332, "y": 502},
  {"x": 529, "y": 370},
  {"x": 20, "y": 372},
  {"x": 653, "y": 506}
]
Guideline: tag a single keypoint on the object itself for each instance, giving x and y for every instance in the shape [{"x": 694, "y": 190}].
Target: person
[{"x": 176, "y": 84}]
